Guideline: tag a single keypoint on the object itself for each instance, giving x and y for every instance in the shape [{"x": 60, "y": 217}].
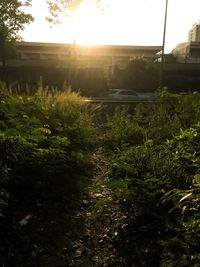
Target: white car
[{"x": 126, "y": 94}]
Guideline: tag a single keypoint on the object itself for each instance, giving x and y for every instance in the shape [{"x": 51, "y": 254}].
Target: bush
[
  {"x": 157, "y": 121},
  {"x": 122, "y": 130},
  {"x": 44, "y": 151},
  {"x": 156, "y": 184}
]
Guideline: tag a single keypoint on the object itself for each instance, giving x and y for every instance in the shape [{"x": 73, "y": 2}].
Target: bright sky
[{"x": 125, "y": 22}]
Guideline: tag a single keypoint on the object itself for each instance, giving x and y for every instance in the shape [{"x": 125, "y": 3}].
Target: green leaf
[{"x": 197, "y": 178}]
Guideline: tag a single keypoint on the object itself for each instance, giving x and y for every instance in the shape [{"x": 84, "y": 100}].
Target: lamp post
[
  {"x": 163, "y": 47},
  {"x": 73, "y": 53}
]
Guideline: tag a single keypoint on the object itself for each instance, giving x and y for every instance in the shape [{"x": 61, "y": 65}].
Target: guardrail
[{"x": 109, "y": 101}]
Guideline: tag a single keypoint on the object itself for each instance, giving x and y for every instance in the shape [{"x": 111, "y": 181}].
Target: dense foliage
[
  {"x": 150, "y": 197},
  {"x": 140, "y": 75},
  {"x": 44, "y": 142},
  {"x": 13, "y": 19},
  {"x": 154, "y": 175}
]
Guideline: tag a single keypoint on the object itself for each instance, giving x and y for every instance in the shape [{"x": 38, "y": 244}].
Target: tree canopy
[
  {"x": 139, "y": 75},
  {"x": 13, "y": 19},
  {"x": 61, "y": 8}
]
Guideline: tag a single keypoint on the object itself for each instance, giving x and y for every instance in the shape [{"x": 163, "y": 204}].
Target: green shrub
[
  {"x": 122, "y": 130},
  {"x": 44, "y": 151},
  {"x": 158, "y": 121},
  {"x": 158, "y": 188}
]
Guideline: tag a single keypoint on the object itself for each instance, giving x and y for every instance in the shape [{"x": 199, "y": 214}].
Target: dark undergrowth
[
  {"x": 45, "y": 141},
  {"x": 99, "y": 186},
  {"x": 154, "y": 176}
]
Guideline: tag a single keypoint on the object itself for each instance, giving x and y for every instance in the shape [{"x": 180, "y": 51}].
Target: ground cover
[{"x": 83, "y": 186}]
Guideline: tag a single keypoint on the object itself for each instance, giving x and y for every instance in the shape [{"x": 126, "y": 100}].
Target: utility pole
[
  {"x": 73, "y": 54},
  {"x": 163, "y": 48}
]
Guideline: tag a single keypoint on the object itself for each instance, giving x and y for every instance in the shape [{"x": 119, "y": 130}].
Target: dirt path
[{"x": 96, "y": 220}]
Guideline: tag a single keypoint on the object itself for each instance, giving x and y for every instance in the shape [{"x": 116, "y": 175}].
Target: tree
[
  {"x": 139, "y": 75},
  {"x": 61, "y": 8},
  {"x": 12, "y": 20}
]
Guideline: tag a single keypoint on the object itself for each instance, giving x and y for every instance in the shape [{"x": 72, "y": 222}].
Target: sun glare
[
  {"x": 129, "y": 24},
  {"x": 88, "y": 25},
  {"x": 116, "y": 25}
]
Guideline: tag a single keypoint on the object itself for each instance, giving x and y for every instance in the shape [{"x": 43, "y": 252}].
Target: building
[
  {"x": 189, "y": 52},
  {"x": 105, "y": 57},
  {"x": 180, "y": 50},
  {"x": 194, "y": 33},
  {"x": 98, "y": 56}
]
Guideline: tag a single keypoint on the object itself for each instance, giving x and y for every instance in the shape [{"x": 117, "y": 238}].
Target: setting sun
[
  {"x": 87, "y": 25},
  {"x": 127, "y": 22},
  {"x": 92, "y": 26},
  {"x": 115, "y": 25}
]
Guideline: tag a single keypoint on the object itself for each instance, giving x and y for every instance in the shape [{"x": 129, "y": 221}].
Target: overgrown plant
[
  {"x": 122, "y": 130},
  {"x": 44, "y": 155},
  {"x": 157, "y": 185}
]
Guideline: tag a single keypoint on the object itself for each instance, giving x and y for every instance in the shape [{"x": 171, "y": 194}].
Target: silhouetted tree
[
  {"x": 91, "y": 82},
  {"x": 139, "y": 75},
  {"x": 12, "y": 20}
]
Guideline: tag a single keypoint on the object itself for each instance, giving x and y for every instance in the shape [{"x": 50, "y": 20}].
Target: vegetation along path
[
  {"x": 73, "y": 196},
  {"x": 99, "y": 215}
]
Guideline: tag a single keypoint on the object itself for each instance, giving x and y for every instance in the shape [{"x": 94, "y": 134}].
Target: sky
[{"x": 123, "y": 22}]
